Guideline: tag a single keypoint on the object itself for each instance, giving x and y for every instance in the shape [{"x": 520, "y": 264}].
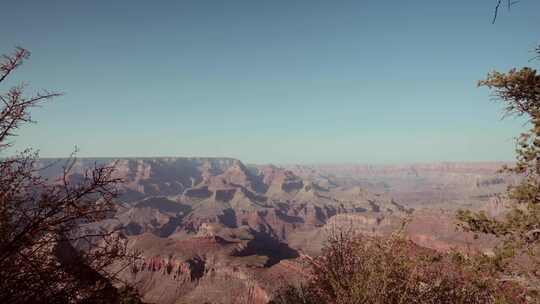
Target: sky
[{"x": 270, "y": 81}]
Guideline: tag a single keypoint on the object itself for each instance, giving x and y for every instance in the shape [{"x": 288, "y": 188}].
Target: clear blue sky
[{"x": 270, "y": 81}]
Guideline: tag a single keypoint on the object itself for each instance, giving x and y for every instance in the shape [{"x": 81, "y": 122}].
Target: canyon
[{"x": 217, "y": 230}]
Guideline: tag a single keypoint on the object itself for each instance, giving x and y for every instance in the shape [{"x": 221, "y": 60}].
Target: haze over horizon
[
  {"x": 270, "y": 82},
  {"x": 336, "y": 163}
]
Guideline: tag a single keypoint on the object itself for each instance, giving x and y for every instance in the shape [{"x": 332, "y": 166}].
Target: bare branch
[
  {"x": 509, "y": 4},
  {"x": 11, "y": 62},
  {"x": 43, "y": 222}
]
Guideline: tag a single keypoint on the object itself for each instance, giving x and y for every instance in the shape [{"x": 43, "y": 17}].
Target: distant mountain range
[{"x": 217, "y": 222}]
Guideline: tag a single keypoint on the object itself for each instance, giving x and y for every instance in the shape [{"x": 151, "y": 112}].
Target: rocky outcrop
[{"x": 214, "y": 229}]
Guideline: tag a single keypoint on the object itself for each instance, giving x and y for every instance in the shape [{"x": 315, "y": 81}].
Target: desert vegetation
[
  {"x": 519, "y": 229},
  {"x": 362, "y": 269},
  {"x": 46, "y": 254}
]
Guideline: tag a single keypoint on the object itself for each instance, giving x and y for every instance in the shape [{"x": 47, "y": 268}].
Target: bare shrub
[
  {"x": 362, "y": 269},
  {"x": 41, "y": 220}
]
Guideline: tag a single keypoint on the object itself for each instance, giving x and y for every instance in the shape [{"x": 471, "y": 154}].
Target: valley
[{"x": 217, "y": 230}]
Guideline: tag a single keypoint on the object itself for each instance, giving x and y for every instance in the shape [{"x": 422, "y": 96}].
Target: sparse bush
[
  {"x": 362, "y": 269},
  {"x": 41, "y": 235}
]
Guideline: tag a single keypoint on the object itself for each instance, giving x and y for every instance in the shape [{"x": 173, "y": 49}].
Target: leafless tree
[{"x": 48, "y": 253}]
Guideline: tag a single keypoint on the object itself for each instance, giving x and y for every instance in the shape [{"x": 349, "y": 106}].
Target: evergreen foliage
[{"x": 519, "y": 229}]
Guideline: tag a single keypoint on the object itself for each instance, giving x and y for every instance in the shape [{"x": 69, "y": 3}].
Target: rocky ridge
[{"x": 201, "y": 222}]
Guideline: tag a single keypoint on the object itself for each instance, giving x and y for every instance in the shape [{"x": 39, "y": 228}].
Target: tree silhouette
[{"x": 48, "y": 251}]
